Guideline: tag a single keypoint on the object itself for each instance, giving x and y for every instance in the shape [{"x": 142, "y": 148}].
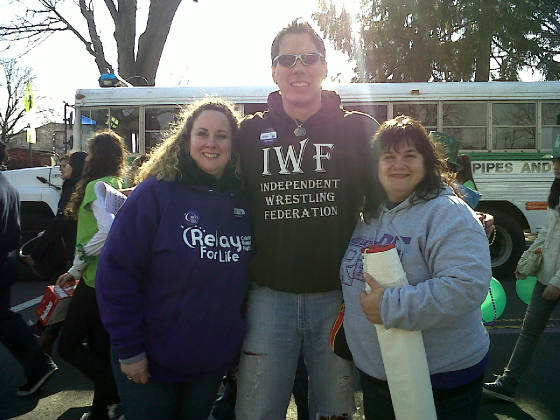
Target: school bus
[{"x": 507, "y": 129}]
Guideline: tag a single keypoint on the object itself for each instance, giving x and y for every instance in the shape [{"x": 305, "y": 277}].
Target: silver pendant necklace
[{"x": 299, "y": 131}]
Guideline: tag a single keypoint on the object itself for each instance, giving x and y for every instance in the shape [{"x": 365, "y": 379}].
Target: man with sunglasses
[{"x": 305, "y": 164}]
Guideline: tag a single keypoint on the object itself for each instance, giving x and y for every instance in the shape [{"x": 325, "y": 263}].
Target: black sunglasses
[{"x": 289, "y": 60}]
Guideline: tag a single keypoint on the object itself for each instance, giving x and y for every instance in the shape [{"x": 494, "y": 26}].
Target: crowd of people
[{"x": 241, "y": 240}]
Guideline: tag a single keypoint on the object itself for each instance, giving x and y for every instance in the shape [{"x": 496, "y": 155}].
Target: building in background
[
  {"x": 50, "y": 137},
  {"x": 46, "y": 134}
]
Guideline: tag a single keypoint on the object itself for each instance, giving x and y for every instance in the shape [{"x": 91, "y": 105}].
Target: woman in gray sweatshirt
[{"x": 444, "y": 252}]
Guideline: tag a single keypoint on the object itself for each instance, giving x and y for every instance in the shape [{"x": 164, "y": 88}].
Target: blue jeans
[
  {"x": 458, "y": 403},
  {"x": 537, "y": 315},
  {"x": 280, "y": 326},
  {"x": 191, "y": 400}
]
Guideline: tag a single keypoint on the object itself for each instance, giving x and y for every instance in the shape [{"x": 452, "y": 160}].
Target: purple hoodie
[{"x": 172, "y": 279}]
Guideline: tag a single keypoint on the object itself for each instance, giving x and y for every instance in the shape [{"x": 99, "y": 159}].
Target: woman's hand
[
  {"x": 65, "y": 279},
  {"x": 551, "y": 292},
  {"x": 137, "y": 371},
  {"x": 371, "y": 303}
]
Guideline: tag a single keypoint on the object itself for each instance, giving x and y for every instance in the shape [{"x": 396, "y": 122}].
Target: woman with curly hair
[
  {"x": 104, "y": 163},
  {"x": 173, "y": 273}
]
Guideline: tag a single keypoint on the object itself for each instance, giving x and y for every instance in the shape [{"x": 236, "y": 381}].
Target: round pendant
[{"x": 299, "y": 131}]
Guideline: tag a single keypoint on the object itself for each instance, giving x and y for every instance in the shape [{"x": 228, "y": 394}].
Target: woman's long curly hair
[
  {"x": 394, "y": 134},
  {"x": 164, "y": 159},
  {"x": 106, "y": 155}
]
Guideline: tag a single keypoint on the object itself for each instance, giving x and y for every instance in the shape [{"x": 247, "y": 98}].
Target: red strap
[{"x": 336, "y": 326}]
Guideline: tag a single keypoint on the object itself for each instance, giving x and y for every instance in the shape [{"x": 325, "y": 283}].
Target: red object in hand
[{"x": 55, "y": 303}]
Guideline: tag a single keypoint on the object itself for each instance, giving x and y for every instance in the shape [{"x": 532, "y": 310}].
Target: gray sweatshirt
[{"x": 445, "y": 254}]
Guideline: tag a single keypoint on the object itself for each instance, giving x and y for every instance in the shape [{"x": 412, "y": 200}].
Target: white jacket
[{"x": 549, "y": 272}]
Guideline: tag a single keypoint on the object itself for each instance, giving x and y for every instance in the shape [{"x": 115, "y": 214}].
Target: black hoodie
[
  {"x": 54, "y": 250},
  {"x": 306, "y": 191}
]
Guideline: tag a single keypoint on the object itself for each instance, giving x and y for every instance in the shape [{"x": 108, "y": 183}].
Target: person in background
[
  {"x": 104, "y": 163},
  {"x": 15, "y": 334},
  {"x": 134, "y": 169},
  {"x": 412, "y": 205},
  {"x": 55, "y": 245},
  {"x": 460, "y": 165},
  {"x": 54, "y": 248},
  {"x": 305, "y": 166},
  {"x": 71, "y": 169},
  {"x": 464, "y": 173},
  {"x": 173, "y": 275},
  {"x": 132, "y": 174},
  {"x": 543, "y": 301}
]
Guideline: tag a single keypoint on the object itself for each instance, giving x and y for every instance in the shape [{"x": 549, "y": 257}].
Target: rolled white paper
[
  {"x": 384, "y": 261},
  {"x": 402, "y": 351}
]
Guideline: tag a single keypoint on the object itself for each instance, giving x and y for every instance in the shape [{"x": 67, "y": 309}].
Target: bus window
[
  {"x": 93, "y": 120},
  {"x": 124, "y": 121},
  {"x": 467, "y": 123},
  {"x": 425, "y": 113},
  {"x": 550, "y": 123},
  {"x": 379, "y": 112},
  {"x": 514, "y": 126},
  {"x": 158, "y": 120}
]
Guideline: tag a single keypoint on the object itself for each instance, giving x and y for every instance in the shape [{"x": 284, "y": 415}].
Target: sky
[{"x": 212, "y": 42}]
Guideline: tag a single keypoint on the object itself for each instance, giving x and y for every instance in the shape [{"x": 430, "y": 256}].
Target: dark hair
[
  {"x": 464, "y": 174},
  {"x": 394, "y": 134},
  {"x": 77, "y": 161},
  {"x": 554, "y": 194},
  {"x": 106, "y": 154},
  {"x": 297, "y": 27}
]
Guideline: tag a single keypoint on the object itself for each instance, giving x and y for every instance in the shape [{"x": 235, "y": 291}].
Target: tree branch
[
  {"x": 96, "y": 47},
  {"x": 112, "y": 9},
  {"x": 152, "y": 41}
]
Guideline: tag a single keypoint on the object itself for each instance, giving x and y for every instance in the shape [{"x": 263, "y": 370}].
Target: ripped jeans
[{"x": 280, "y": 325}]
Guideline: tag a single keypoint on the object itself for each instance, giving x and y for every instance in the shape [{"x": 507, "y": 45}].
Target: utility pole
[
  {"x": 67, "y": 123},
  {"x": 29, "y": 100}
]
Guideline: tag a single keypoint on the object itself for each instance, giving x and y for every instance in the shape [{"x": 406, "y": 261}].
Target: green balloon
[
  {"x": 524, "y": 288},
  {"x": 495, "y": 302}
]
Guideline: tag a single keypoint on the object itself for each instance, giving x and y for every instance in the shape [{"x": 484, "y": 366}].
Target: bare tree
[
  {"x": 137, "y": 57},
  {"x": 13, "y": 81}
]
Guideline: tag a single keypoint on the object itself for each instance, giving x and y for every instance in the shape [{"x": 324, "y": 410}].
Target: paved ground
[{"x": 67, "y": 395}]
